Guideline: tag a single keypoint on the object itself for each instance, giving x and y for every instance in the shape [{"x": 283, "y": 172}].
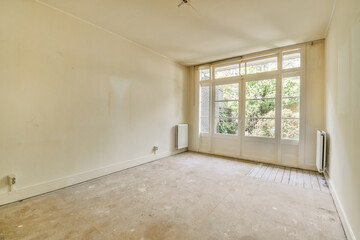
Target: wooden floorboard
[
  {"x": 261, "y": 171},
  {"x": 254, "y": 171},
  {"x": 314, "y": 181},
  {"x": 299, "y": 178},
  {"x": 273, "y": 173},
  {"x": 286, "y": 177},
  {"x": 292, "y": 180},
  {"x": 279, "y": 174},
  {"x": 267, "y": 173},
  {"x": 322, "y": 183},
  {"x": 291, "y": 176}
]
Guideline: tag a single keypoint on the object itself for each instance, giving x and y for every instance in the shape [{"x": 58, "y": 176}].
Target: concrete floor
[{"x": 186, "y": 196}]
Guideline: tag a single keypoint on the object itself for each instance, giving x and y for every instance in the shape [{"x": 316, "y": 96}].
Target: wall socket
[
  {"x": 155, "y": 149},
  {"x": 12, "y": 181}
]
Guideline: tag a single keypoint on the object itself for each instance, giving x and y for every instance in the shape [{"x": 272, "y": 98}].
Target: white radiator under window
[
  {"x": 181, "y": 136},
  {"x": 321, "y": 151}
]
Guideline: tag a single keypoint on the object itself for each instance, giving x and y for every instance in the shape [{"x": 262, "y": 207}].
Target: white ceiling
[{"x": 224, "y": 28}]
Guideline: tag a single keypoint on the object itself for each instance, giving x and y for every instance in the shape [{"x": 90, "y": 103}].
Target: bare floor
[{"x": 186, "y": 196}]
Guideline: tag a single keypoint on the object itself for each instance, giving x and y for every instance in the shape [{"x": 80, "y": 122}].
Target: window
[
  {"x": 204, "y": 74},
  {"x": 291, "y": 60},
  {"x": 260, "y": 108},
  {"x": 271, "y": 102},
  {"x": 227, "y": 71},
  {"x": 290, "y": 107},
  {"x": 262, "y": 65},
  {"x": 204, "y": 109},
  {"x": 226, "y": 108}
]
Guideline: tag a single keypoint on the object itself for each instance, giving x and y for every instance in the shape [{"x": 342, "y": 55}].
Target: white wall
[
  {"x": 314, "y": 99},
  {"x": 77, "y": 102},
  {"x": 343, "y": 111}
]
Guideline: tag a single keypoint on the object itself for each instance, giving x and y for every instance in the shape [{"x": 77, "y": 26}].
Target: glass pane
[
  {"x": 260, "y": 108},
  {"x": 227, "y": 71},
  {"x": 261, "y": 89},
  {"x": 204, "y": 94},
  {"x": 204, "y": 74},
  {"x": 242, "y": 68},
  {"x": 227, "y": 92},
  {"x": 204, "y": 125},
  {"x": 291, "y": 107},
  {"x": 291, "y": 60},
  {"x": 204, "y": 112},
  {"x": 291, "y": 87},
  {"x": 262, "y": 65},
  {"x": 260, "y": 127},
  {"x": 227, "y": 109},
  {"x": 226, "y": 125},
  {"x": 290, "y": 128}
]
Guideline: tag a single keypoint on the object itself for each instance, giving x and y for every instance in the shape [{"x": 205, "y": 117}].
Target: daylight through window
[{"x": 258, "y": 97}]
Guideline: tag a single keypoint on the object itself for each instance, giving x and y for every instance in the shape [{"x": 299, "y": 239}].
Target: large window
[
  {"x": 260, "y": 108},
  {"x": 226, "y": 108},
  {"x": 269, "y": 98}
]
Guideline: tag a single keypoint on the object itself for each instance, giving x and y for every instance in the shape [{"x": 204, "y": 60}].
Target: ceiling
[{"x": 221, "y": 29}]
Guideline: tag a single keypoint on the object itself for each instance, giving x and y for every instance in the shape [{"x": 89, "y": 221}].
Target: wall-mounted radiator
[
  {"x": 181, "y": 136},
  {"x": 321, "y": 151}
]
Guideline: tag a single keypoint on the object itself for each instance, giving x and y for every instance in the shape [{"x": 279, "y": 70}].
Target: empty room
[{"x": 180, "y": 119}]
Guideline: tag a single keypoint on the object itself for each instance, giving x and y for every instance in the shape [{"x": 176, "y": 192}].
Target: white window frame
[
  {"x": 229, "y": 80},
  {"x": 242, "y": 79},
  {"x": 204, "y": 83},
  {"x": 209, "y": 106}
]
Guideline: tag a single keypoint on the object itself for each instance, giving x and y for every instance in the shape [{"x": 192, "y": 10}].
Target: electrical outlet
[
  {"x": 155, "y": 149},
  {"x": 12, "y": 181}
]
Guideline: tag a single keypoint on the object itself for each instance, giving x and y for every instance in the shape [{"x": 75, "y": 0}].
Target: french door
[{"x": 226, "y": 117}]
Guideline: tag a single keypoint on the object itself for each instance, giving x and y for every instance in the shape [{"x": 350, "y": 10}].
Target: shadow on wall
[
  {"x": 173, "y": 141},
  {"x": 328, "y": 139},
  {"x": 4, "y": 183}
]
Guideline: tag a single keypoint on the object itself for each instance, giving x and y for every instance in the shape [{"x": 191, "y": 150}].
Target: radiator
[
  {"x": 321, "y": 150},
  {"x": 181, "y": 136}
]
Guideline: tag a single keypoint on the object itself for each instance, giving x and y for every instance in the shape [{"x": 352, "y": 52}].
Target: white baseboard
[
  {"x": 345, "y": 221},
  {"x": 52, "y": 185}
]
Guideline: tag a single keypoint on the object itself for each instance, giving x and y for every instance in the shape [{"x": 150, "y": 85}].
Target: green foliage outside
[
  {"x": 290, "y": 107},
  {"x": 259, "y": 108},
  {"x": 227, "y": 111},
  {"x": 290, "y": 128},
  {"x": 261, "y": 105},
  {"x": 260, "y": 99}
]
